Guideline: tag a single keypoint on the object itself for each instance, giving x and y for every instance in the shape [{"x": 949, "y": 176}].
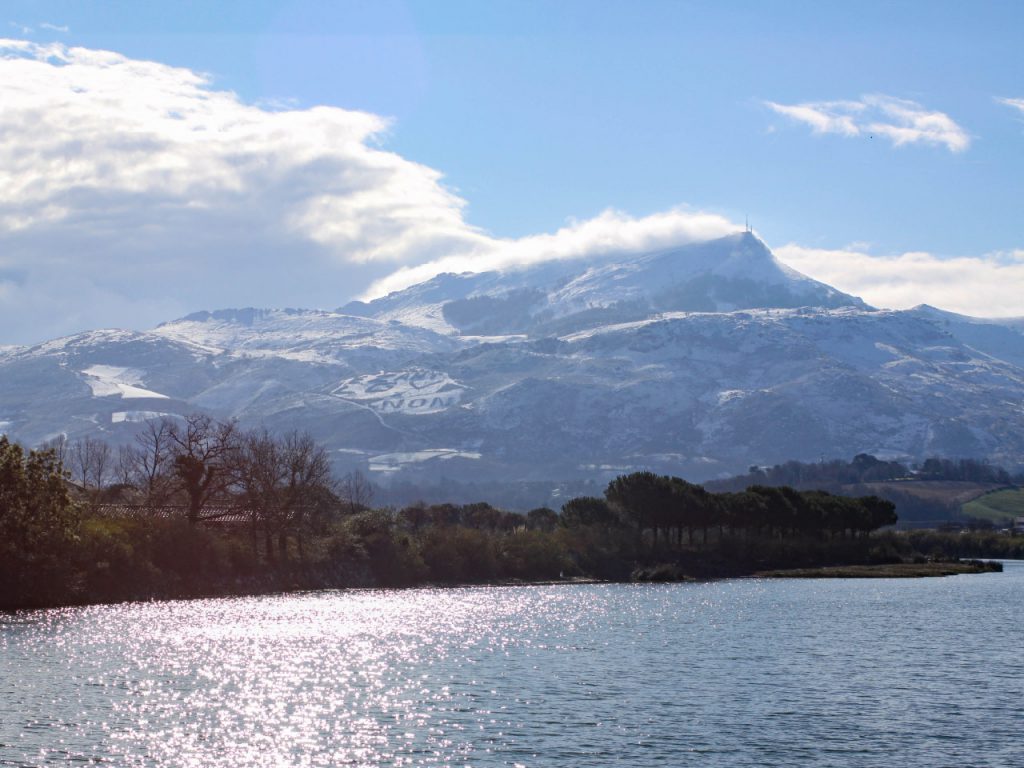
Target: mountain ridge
[{"x": 560, "y": 371}]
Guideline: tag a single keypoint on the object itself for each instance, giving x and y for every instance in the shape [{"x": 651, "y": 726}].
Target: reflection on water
[{"x": 746, "y": 673}]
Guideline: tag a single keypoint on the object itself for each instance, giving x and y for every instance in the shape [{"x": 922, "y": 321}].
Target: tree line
[
  {"x": 667, "y": 506},
  {"x": 864, "y": 469},
  {"x": 295, "y": 525}
]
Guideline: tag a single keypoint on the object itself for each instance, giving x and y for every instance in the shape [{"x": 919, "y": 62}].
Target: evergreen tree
[{"x": 38, "y": 526}]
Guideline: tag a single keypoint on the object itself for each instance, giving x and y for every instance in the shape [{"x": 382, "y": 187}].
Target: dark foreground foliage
[{"x": 56, "y": 551}]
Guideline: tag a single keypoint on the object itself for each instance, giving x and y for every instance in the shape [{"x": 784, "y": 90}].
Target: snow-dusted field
[
  {"x": 393, "y": 462},
  {"x": 113, "y": 381},
  {"x": 136, "y": 417}
]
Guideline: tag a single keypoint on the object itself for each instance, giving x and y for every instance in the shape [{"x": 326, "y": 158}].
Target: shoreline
[
  {"x": 880, "y": 571},
  {"x": 888, "y": 571}
]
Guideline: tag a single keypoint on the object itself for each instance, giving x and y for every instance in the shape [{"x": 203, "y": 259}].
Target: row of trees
[
  {"x": 479, "y": 515},
  {"x": 863, "y": 469},
  {"x": 668, "y": 506},
  {"x": 285, "y": 486},
  {"x": 964, "y": 470}
]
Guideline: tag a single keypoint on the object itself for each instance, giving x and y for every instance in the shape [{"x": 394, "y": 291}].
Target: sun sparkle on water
[{"x": 745, "y": 673}]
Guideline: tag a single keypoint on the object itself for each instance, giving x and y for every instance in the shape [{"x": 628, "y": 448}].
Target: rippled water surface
[{"x": 925, "y": 672}]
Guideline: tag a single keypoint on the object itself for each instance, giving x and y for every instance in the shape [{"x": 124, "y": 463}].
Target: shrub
[
  {"x": 533, "y": 555},
  {"x": 459, "y": 554}
]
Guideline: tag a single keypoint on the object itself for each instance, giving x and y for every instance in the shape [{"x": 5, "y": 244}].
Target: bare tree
[
  {"x": 91, "y": 463},
  {"x": 286, "y": 483},
  {"x": 147, "y": 465},
  {"x": 356, "y": 491},
  {"x": 123, "y": 468},
  {"x": 59, "y": 446},
  {"x": 203, "y": 457},
  {"x": 260, "y": 474},
  {"x": 309, "y": 486}
]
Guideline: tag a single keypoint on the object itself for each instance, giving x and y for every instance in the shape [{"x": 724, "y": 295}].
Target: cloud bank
[
  {"x": 899, "y": 120},
  {"x": 610, "y": 232},
  {"x": 985, "y": 286},
  {"x": 132, "y": 192}
]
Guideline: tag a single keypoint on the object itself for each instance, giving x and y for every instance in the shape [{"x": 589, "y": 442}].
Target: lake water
[{"x": 926, "y": 672}]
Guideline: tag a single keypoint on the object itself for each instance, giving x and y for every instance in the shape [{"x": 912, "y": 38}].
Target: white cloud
[
  {"x": 1017, "y": 104},
  {"x": 899, "y": 120},
  {"x": 55, "y": 27},
  {"x": 610, "y": 232},
  {"x": 131, "y": 190},
  {"x": 982, "y": 286},
  {"x": 140, "y": 183},
  {"x": 824, "y": 116},
  {"x": 91, "y": 133}
]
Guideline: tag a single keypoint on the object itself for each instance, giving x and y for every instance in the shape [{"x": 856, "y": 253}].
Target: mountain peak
[
  {"x": 737, "y": 271},
  {"x": 748, "y": 236},
  {"x": 733, "y": 272}
]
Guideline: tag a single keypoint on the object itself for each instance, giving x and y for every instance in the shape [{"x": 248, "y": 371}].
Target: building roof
[{"x": 211, "y": 514}]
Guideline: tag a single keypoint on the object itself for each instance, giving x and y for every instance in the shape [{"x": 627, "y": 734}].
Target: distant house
[{"x": 1018, "y": 525}]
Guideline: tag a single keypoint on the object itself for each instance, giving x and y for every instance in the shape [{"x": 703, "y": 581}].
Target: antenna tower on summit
[{"x": 746, "y": 221}]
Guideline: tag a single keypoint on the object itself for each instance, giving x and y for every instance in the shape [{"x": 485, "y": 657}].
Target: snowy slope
[
  {"x": 803, "y": 382},
  {"x": 297, "y": 334},
  {"x": 1002, "y": 339}
]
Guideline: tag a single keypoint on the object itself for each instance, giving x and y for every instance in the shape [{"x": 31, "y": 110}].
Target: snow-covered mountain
[
  {"x": 696, "y": 361},
  {"x": 735, "y": 272}
]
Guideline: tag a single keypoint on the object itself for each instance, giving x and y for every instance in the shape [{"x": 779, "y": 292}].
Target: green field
[{"x": 999, "y": 506}]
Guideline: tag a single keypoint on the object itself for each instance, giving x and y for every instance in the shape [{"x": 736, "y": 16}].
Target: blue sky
[{"x": 873, "y": 145}]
